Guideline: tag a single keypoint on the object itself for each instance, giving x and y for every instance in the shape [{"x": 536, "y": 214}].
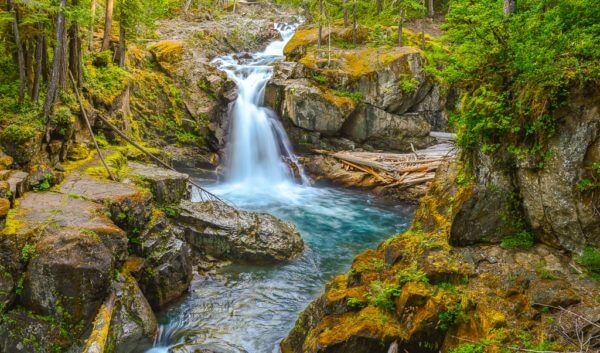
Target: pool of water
[{"x": 250, "y": 309}]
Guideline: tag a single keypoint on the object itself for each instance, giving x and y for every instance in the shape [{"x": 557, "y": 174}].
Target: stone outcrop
[
  {"x": 223, "y": 232},
  {"x": 419, "y": 293},
  {"x": 167, "y": 186},
  {"x": 389, "y": 100}
]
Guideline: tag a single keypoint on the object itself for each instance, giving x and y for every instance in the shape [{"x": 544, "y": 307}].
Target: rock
[
  {"x": 18, "y": 182},
  {"x": 167, "y": 270},
  {"x": 483, "y": 218},
  {"x": 4, "y": 207},
  {"x": 133, "y": 325},
  {"x": 559, "y": 213},
  {"x": 69, "y": 275},
  {"x": 381, "y": 129},
  {"x": 221, "y": 231},
  {"x": 315, "y": 109},
  {"x": 129, "y": 206},
  {"x": 23, "y": 332},
  {"x": 5, "y": 161},
  {"x": 167, "y": 186}
]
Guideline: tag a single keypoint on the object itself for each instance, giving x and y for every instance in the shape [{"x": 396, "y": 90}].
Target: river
[{"x": 250, "y": 309}]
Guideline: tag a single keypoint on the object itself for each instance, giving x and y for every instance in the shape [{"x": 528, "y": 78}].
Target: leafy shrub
[
  {"x": 451, "y": 317},
  {"x": 412, "y": 274},
  {"x": 382, "y": 295},
  {"x": 355, "y": 303}
]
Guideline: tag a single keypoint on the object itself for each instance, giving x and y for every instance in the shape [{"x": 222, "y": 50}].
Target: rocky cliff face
[
  {"x": 380, "y": 98},
  {"x": 457, "y": 277}
]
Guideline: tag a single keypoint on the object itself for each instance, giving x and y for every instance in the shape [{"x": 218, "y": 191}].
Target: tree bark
[
  {"x": 354, "y": 23},
  {"x": 45, "y": 74},
  {"x": 345, "y": 13},
  {"x": 400, "y": 28},
  {"x": 379, "y": 6},
  {"x": 75, "y": 57},
  {"x": 509, "y": 7},
  {"x": 430, "y": 8},
  {"x": 107, "y": 24},
  {"x": 122, "y": 46},
  {"x": 20, "y": 55},
  {"x": 91, "y": 28},
  {"x": 320, "y": 39},
  {"x": 57, "y": 74},
  {"x": 37, "y": 72}
]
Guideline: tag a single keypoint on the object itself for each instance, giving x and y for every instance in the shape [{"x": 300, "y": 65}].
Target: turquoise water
[{"x": 249, "y": 309}]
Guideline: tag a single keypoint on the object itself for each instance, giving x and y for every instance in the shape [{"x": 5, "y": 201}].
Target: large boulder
[
  {"x": 316, "y": 109},
  {"x": 167, "y": 186},
  {"x": 69, "y": 276},
  {"x": 381, "y": 129},
  {"x": 216, "y": 229},
  {"x": 129, "y": 206},
  {"x": 133, "y": 324},
  {"x": 167, "y": 270}
]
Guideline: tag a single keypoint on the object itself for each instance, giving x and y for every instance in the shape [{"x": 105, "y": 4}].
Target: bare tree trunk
[
  {"x": 37, "y": 72},
  {"x": 91, "y": 29},
  {"x": 423, "y": 29},
  {"x": 107, "y": 24},
  {"x": 20, "y": 56},
  {"x": 329, "y": 46},
  {"x": 186, "y": 5},
  {"x": 122, "y": 46},
  {"x": 379, "y": 6},
  {"x": 320, "y": 39},
  {"x": 45, "y": 74},
  {"x": 57, "y": 62},
  {"x": 430, "y": 8},
  {"x": 354, "y": 23},
  {"x": 509, "y": 7},
  {"x": 400, "y": 28},
  {"x": 75, "y": 57},
  {"x": 345, "y": 13}
]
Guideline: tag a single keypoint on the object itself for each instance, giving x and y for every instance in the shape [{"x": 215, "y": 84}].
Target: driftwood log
[{"x": 399, "y": 169}]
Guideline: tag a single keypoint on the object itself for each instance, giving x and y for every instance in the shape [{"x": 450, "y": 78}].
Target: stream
[{"x": 250, "y": 309}]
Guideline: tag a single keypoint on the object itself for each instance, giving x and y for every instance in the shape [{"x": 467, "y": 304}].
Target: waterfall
[{"x": 260, "y": 153}]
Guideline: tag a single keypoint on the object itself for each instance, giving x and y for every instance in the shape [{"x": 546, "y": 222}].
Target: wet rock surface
[{"x": 221, "y": 231}]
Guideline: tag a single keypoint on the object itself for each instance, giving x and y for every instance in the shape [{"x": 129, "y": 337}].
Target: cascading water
[
  {"x": 249, "y": 309},
  {"x": 259, "y": 149}
]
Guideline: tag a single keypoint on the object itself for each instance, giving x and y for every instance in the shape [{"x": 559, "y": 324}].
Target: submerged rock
[{"x": 216, "y": 229}]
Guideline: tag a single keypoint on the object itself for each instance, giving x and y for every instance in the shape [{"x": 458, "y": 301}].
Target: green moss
[
  {"x": 590, "y": 259},
  {"x": 450, "y": 317},
  {"x": 411, "y": 274},
  {"x": 355, "y": 303},
  {"x": 468, "y": 348},
  {"x": 522, "y": 240},
  {"x": 106, "y": 83}
]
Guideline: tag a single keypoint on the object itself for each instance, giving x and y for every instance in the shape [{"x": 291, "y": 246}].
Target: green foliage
[
  {"x": 468, "y": 348},
  {"x": 517, "y": 71},
  {"x": 106, "y": 82},
  {"x": 382, "y": 295},
  {"x": 451, "y": 317},
  {"x": 355, "y": 303},
  {"x": 521, "y": 240},
  {"x": 319, "y": 78},
  {"x": 412, "y": 274},
  {"x": 27, "y": 252},
  {"x": 357, "y": 97},
  {"x": 590, "y": 259}
]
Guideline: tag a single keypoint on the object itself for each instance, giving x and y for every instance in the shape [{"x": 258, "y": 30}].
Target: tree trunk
[
  {"x": 354, "y": 23},
  {"x": 122, "y": 46},
  {"x": 320, "y": 39},
  {"x": 186, "y": 5},
  {"x": 345, "y": 13},
  {"x": 20, "y": 56},
  {"x": 400, "y": 28},
  {"x": 430, "y": 8},
  {"x": 75, "y": 57},
  {"x": 91, "y": 29},
  {"x": 107, "y": 24},
  {"x": 379, "y": 6},
  {"x": 45, "y": 73},
  {"x": 37, "y": 72},
  {"x": 58, "y": 62},
  {"x": 509, "y": 7}
]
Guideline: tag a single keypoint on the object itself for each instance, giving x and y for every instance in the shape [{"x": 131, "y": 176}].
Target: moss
[
  {"x": 167, "y": 51},
  {"x": 106, "y": 83},
  {"x": 590, "y": 259}
]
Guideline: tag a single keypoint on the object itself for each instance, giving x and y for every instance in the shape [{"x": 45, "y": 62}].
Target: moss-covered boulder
[{"x": 167, "y": 186}]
